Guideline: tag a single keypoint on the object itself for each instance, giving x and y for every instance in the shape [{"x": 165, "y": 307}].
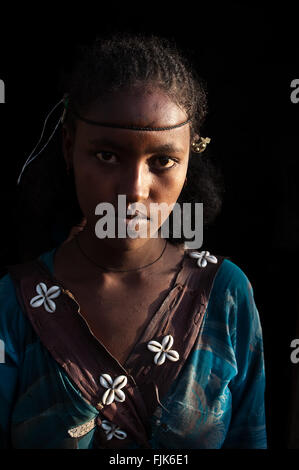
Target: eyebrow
[{"x": 160, "y": 148}]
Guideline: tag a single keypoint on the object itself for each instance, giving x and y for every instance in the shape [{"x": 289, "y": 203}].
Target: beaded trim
[{"x": 83, "y": 429}]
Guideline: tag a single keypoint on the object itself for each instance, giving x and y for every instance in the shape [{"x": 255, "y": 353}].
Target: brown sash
[{"x": 67, "y": 337}]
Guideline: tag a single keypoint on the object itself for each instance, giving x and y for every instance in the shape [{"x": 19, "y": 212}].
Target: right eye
[{"x": 106, "y": 157}]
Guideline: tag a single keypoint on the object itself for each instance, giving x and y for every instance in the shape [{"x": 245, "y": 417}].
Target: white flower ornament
[
  {"x": 114, "y": 387},
  {"x": 45, "y": 297},
  {"x": 203, "y": 257},
  {"x": 163, "y": 350},
  {"x": 112, "y": 430}
]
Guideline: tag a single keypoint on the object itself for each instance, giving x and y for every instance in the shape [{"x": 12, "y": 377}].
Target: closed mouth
[{"x": 137, "y": 215}]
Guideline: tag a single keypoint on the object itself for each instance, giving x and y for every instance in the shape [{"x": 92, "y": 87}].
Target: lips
[
  {"x": 142, "y": 221},
  {"x": 137, "y": 215}
]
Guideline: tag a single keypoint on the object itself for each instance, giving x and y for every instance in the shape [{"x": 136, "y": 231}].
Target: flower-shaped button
[
  {"x": 163, "y": 350},
  {"x": 112, "y": 430},
  {"x": 114, "y": 387},
  {"x": 45, "y": 297},
  {"x": 203, "y": 257}
]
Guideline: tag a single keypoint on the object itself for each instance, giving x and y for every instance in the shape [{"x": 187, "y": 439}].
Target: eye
[
  {"x": 164, "y": 162},
  {"x": 106, "y": 157}
]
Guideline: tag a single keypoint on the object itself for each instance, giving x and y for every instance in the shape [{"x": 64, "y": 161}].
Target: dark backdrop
[{"x": 248, "y": 57}]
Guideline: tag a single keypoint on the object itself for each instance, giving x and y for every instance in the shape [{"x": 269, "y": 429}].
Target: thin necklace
[{"x": 117, "y": 270}]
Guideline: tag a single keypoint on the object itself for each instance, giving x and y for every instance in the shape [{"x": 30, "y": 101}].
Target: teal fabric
[{"x": 217, "y": 401}]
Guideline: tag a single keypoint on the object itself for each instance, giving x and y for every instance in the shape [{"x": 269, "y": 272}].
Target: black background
[{"x": 248, "y": 55}]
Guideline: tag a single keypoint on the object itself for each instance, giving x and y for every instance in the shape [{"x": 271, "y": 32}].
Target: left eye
[{"x": 165, "y": 162}]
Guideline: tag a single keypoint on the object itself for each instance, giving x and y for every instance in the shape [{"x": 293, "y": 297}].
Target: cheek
[
  {"x": 172, "y": 185},
  {"x": 92, "y": 188},
  {"x": 168, "y": 192}
]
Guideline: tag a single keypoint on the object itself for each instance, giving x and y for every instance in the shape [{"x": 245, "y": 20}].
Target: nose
[{"x": 135, "y": 183}]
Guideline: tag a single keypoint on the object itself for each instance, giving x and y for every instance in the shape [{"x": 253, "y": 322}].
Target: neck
[{"x": 119, "y": 254}]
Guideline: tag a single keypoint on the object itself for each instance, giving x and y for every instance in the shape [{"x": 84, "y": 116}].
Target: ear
[{"x": 67, "y": 146}]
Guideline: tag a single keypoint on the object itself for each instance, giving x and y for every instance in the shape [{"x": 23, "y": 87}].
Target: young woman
[{"x": 129, "y": 342}]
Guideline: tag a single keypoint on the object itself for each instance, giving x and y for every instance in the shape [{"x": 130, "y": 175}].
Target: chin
[{"x": 126, "y": 244}]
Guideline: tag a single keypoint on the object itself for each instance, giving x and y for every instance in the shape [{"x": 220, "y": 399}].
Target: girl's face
[{"x": 146, "y": 166}]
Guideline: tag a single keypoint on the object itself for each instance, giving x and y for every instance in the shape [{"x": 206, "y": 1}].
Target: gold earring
[{"x": 199, "y": 147}]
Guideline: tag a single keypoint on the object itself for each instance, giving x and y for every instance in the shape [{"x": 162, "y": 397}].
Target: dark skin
[{"x": 117, "y": 306}]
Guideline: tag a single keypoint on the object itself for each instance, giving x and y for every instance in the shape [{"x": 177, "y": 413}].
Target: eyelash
[{"x": 174, "y": 160}]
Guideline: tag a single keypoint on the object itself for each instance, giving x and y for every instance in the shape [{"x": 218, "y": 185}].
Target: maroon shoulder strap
[
  {"x": 182, "y": 320},
  {"x": 55, "y": 317}
]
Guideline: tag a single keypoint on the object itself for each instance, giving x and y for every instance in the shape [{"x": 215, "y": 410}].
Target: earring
[{"x": 199, "y": 147}]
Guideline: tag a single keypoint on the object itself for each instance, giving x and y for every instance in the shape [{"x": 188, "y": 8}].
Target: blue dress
[{"x": 217, "y": 401}]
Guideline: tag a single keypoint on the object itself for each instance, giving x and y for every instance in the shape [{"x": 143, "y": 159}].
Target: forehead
[{"x": 140, "y": 107}]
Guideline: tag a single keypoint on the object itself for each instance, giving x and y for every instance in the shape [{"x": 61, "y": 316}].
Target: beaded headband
[
  {"x": 197, "y": 147},
  {"x": 116, "y": 126}
]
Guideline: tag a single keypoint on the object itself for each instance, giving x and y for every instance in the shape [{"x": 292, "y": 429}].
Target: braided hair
[
  {"x": 47, "y": 196},
  {"x": 123, "y": 60}
]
